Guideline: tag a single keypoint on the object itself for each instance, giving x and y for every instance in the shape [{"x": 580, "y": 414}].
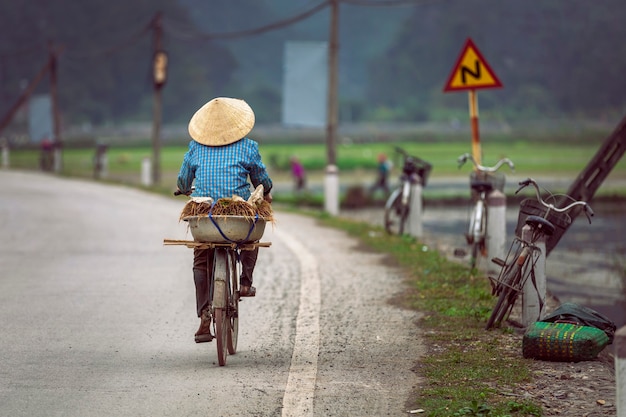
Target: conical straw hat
[{"x": 221, "y": 121}]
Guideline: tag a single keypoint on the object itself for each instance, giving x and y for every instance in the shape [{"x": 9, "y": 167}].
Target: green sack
[
  {"x": 585, "y": 316},
  {"x": 563, "y": 342}
]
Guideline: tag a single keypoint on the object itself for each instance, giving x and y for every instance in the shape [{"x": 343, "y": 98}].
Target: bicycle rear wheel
[
  {"x": 233, "y": 306},
  {"x": 396, "y": 213},
  {"x": 507, "y": 288}
]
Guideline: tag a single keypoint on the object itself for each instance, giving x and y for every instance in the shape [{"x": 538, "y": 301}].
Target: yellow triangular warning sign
[{"x": 471, "y": 71}]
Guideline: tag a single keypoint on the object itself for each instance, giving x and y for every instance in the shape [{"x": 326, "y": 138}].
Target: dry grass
[{"x": 229, "y": 207}]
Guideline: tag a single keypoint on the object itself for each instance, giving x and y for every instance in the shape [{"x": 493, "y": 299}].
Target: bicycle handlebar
[
  {"x": 466, "y": 156},
  {"x": 406, "y": 156},
  {"x": 178, "y": 192},
  {"x": 529, "y": 181}
]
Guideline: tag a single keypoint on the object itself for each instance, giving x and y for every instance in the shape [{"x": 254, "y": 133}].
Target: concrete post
[
  {"x": 496, "y": 229},
  {"x": 101, "y": 162},
  {"x": 5, "y": 155},
  {"x": 146, "y": 172},
  {"x": 104, "y": 166},
  {"x": 620, "y": 371},
  {"x": 331, "y": 190},
  {"x": 58, "y": 159},
  {"x": 534, "y": 298},
  {"x": 414, "y": 221}
]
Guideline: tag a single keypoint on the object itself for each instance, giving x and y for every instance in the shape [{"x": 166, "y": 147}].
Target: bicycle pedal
[{"x": 499, "y": 262}]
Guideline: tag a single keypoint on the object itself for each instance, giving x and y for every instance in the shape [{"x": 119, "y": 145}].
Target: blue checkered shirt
[{"x": 223, "y": 171}]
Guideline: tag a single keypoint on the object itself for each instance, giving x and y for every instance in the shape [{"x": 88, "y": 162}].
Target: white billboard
[
  {"x": 40, "y": 118},
  {"x": 305, "y": 84}
]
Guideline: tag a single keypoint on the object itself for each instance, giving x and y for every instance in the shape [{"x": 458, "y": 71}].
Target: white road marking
[{"x": 300, "y": 389}]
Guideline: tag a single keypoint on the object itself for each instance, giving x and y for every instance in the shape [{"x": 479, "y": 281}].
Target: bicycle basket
[
  {"x": 225, "y": 229},
  {"x": 496, "y": 180},
  {"x": 414, "y": 165},
  {"x": 532, "y": 207}
]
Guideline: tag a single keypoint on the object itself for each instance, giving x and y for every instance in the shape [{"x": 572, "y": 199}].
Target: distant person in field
[
  {"x": 298, "y": 174},
  {"x": 383, "y": 170}
]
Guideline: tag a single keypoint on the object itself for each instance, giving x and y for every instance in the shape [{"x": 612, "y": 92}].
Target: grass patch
[{"x": 468, "y": 371}]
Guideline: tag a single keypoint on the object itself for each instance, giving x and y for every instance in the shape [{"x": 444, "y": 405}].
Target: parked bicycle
[
  {"x": 483, "y": 180},
  {"x": 397, "y": 207},
  {"x": 226, "y": 237},
  {"x": 523, "y": 254}
]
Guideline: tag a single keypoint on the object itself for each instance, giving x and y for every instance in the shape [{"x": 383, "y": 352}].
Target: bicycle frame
[
  {"x": 522, "y": 258},
  {"x": 478, "y": 220},
  {"x": 397, "y": 206},
  {"x": 482, "y": 182}
]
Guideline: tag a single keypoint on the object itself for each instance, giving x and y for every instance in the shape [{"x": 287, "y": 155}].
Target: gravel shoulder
[{"x": 563, "y": 389}]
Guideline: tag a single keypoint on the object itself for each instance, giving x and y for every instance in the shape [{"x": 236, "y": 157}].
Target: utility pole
[
  {"x": 159, "y": 77},
  {"x": 331, "y": 183},
  {"x": 56, "y": 120},
  {"x": 332, "y": 117}
]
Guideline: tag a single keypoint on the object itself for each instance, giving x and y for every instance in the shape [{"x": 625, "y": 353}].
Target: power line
[
  {"x": 110, "y": 50},
  {"x": 240, "y": 34},
  {"x": 388, "y": 2}
]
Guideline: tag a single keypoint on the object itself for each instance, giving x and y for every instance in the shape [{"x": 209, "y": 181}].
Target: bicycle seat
[{"x": 539, "y": 223}]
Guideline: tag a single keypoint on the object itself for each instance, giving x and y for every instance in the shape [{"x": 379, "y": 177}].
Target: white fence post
[
  {"x": 533, "y": 298},
  {"x": 58, "y": 159},
  {"x": 146, "y": 171},
  {"x": 496, "y": 229},
  {"x": 620, "y": 371},
  {"x": 415, "y": 213},
  {"x": 331, "y": 190},
  {"x": 5, "y": 154}
]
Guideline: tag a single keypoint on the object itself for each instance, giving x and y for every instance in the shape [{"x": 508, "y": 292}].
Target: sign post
[{"x": 472, "y": 72}]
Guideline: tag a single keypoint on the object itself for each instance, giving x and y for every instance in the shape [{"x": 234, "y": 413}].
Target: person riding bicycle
[{"x": 218, "y": 163}]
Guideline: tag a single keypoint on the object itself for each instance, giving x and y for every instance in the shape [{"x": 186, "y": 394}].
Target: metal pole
[
  {"x": 331, "y": 192},
  {"x": 473, "y": 106}
]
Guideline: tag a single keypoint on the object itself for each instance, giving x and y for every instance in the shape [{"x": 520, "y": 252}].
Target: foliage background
[{"x": 557, "y": 59}]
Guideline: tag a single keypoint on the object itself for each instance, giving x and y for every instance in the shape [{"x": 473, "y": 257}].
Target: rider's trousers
[{"x": 203, "y": 262}]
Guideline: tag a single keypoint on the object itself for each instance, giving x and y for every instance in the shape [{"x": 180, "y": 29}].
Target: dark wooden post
[{"x": 159, "y": 76}]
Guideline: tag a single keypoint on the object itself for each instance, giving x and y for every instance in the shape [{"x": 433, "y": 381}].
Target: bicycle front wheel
[
  {"x": 477, "y": 232},
  {"x": 221, "y": 334},
  {"x": 220, "y": 303},
  {"x": 396, "y": 213},
  {"x": 233, "y": 306}
]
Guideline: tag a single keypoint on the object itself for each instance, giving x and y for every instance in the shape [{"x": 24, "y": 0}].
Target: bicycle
[
  {"x": 397, "y": 206},
  {"x": 226, "y": 236},
  {"x": 483, "y": 180},
  {"x": 522, "y": 256}
]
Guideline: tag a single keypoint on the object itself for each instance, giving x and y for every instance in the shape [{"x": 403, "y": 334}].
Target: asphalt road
[{"x": 98, "y": 316}]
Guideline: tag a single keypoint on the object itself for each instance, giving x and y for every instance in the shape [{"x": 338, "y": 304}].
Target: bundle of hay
[{"x": 235, "y": 206}]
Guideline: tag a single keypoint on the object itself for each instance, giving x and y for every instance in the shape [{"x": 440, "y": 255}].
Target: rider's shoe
[
  {"x": 246, "y": 291},
  {"x": 203, "y": 334}
]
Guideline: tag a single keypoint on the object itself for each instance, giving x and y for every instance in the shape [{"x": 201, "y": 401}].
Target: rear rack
[{"x": 211, "y": 245}]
